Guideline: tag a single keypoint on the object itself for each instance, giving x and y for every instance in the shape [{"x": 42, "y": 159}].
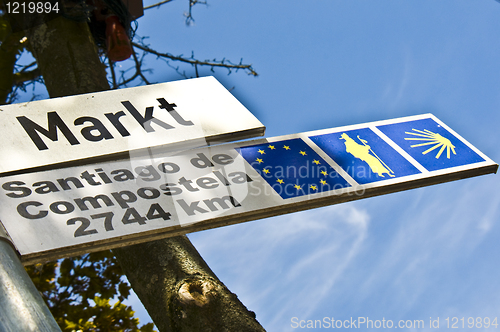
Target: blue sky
[{"x": 429, "y": 252}]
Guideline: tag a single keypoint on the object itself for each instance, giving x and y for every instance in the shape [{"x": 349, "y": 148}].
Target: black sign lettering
[
  {"x": 221, "y": 201},
  {"x": 191, "y": 208},
  {"x": 54, "y": 122},
  {"x": 146, "y": 120},
  {"x": 14, "y": 186},
  {"x": 97, "y": 127},
  {"x": 115, "y": 121},
  {"x": 94, "y": 201},
  {"x": 170, "y": 108},
  {"x": 22, "y": 209}
]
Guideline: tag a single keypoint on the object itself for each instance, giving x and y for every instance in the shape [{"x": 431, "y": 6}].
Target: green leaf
[{"x": 79, "y": 292}]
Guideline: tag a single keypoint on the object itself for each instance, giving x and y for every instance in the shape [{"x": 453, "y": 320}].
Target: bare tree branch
[
  {"x": 113, "y": 74},
  {"x": 189, "y": 15},
  {"x": 195, "y": 62},
  {"x": 128, "y": 72},
  {"x": 139, "y": 72},
  {"x": 26, "y": 76},
  {"x": 158, "y": 4}
]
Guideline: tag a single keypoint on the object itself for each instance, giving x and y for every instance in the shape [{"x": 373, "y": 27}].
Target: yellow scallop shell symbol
[{"x": 430, "y": 138}]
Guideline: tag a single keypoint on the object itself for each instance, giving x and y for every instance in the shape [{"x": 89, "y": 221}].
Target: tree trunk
[
  {"x": 67, "y": 58},
  {"x": 192, "y": 297},
  {"x": 175, "y": 285},
  {"x": 8, "y": 55}
]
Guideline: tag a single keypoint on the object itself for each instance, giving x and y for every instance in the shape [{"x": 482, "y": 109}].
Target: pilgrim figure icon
[{"x": 362, "y": 151}]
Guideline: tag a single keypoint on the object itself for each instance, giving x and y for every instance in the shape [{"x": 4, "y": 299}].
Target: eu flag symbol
[
  {"x": 364, "y": 155},
  {"x": 292, "y": 168},
  {"x": 430, "y": 144}
]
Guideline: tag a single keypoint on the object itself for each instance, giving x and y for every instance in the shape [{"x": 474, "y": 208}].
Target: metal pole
[{"x": 21, "y": 306}]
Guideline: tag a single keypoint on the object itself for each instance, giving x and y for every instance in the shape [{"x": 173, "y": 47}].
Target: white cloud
[
  {"x": 418, "y": 256},
  {"x": 290, "y": 263}
]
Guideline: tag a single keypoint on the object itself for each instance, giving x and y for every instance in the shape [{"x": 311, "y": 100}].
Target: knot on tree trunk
[
  {"x": 196, "y": 291},
  {"x": 203, "y": 304}
]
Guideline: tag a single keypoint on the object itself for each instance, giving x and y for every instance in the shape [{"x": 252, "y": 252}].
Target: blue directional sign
[
  {"x": 429, "y": 143},
  {"x": 364, "y": 155},
  {"x": 71, "y": 211}
]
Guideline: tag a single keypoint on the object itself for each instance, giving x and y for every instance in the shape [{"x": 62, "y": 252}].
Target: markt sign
[
  {"x": 107, "y": 125},
  {"x": 70, "y": 211}
]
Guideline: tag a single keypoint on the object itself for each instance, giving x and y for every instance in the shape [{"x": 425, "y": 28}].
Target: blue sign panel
[
  {"x": 292, "y": 168},
  {"x": 430, "y": 144},
  {"x": 364, "y": 155},
  {"x": 162, "y": 194}
]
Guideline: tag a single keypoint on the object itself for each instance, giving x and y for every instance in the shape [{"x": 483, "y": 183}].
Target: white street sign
[
  {"x": 70, "y": 211},
  {"x": 106, "y": 125}
]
